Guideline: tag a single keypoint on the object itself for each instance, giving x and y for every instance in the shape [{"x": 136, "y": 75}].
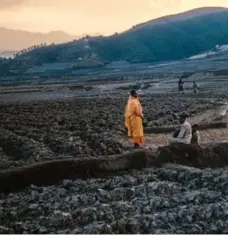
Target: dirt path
[
  {"x": 206, "y": 137},
  {"x": 210, "y": 115}
]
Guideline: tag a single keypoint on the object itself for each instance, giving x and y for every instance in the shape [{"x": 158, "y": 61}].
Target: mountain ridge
[
  {"x": 14, "y": 40},
  {"x": 191, "y": 33},
  {"x": 182, "y": 16},
  {"x": 175, "y": 39}
]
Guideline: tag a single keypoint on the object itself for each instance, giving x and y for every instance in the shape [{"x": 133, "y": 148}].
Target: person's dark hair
[
  {"x": 133, "y": 93},
  {"x": 184, "y": 115},
  {"x": 195, "y": 126}
]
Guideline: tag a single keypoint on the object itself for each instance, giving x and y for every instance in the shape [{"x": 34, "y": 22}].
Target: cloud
[{"x": 4, "y": 4}]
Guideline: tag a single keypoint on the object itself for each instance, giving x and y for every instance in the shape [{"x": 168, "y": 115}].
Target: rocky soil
[
  {"x": 174, "y": 199},
  {"x": 35, "y": 132},
  {"x": 169, "y": 200}
]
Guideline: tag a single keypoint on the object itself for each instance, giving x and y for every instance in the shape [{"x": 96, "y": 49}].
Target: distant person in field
[
  {"x": 184, "y": 133},
  {"x": 195, "y": 135},
  {"x": 134, "y": 119},
  {"x": 195, "y": 87},
  {"x": 181, "y": 85}
]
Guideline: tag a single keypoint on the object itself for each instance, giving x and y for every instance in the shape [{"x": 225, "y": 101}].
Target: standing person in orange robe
[{"x": 134, "y": 120}]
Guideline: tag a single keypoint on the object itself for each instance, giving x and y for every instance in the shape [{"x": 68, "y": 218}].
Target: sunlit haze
[{"x": 90, "y": 16}]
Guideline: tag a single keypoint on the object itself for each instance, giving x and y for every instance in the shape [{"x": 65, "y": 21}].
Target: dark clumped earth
[
  {"x": 66, "y": 163},
  {"x": 168, "y": 199},
  {"x": 81, "y": 127},
  {"x": 171, "y": 200}
]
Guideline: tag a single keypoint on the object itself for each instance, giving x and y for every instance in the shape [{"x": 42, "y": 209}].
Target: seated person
[
  {"x": 185, "y": 134},
  {"x": 195, "y": 135}
]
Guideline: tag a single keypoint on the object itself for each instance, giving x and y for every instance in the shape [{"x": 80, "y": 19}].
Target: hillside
[
  {"x": 168, "y": 38},
  {"x": 179, "y": 17},
  {"x": 13, "y": 40}
]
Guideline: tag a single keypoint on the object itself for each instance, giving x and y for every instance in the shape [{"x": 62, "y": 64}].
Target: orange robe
[{"x": 133, "y": 120}]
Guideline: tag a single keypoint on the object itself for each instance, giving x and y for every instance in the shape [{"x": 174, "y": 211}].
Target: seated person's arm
[
  {"x": 182, "y": 132},
  {"x": 176, "y": 133},
  {"x": 198, "y": 137}
]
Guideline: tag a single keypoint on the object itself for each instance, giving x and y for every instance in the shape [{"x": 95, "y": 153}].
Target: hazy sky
[{"x": 90, "y": 16}]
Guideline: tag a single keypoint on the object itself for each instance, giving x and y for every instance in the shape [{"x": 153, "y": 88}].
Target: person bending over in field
[
  {"x": 184, "y": 134},
  {"x": 134, "y": 119},
  {"x": 195, "y": 87},
  {"x": 181, "y": 85}
]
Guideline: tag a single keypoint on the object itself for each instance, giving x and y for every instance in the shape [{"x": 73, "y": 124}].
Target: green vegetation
[
  {"x": 169, "y": 41},
  {"x": 150, "y": 42},
  {"x": 88, "y": 63}
]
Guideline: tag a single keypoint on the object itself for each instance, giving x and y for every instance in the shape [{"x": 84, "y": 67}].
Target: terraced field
[
  {"x": 172, "y": 199},
  {"x": 34, "y": 132}
]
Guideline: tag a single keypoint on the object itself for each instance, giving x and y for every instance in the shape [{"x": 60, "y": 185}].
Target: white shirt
[{"x": 185, "y": 132}]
